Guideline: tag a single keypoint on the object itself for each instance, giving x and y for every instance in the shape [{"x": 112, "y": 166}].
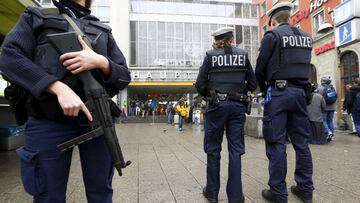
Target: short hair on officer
[{"x": 280, "y": 12}]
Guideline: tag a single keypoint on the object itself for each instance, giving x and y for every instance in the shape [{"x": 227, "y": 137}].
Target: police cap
[
  {"x": 283, "y": 6},
  {"x": 223, "y": 32}
]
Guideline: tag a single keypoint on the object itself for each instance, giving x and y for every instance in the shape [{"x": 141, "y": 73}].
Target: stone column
[{"x": 120, "y": 24}]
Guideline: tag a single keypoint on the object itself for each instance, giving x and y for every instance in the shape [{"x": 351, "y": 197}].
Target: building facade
[
  {"x": 334, "y": 26},
  {"x": 169, "y": 39}
]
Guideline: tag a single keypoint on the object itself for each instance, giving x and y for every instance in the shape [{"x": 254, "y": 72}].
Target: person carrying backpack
[{"x": 328, "y": 91}]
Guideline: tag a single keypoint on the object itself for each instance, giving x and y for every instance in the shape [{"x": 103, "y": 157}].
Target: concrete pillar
[{"x": 120, "y": 24}]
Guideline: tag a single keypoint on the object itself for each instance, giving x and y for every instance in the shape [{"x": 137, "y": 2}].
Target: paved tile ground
[{"x": 169, "y": 166}]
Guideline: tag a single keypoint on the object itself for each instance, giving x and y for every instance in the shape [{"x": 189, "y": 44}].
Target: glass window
[
  {"x": 133, "y": 31},
  {"x": 247, "y": 35},
  {"x": 254, "y": 11},
  {"x": 142, "y": 50},
  {"x": 133, "y": 46},
  {"x": 263, "y": 8},
  {"x": 152, "y": 46},
  {"x": 238, "y": 34},
  {"x": 161, "y": 44},
  {"x": 188, "y": 44},
  {"x": 318, "y": 19},
  {"x": 349, "y": 68},
  {"x": 238, "y": 10},
  {"x": 133, "y": 54},
  {"x": 170, "y": 43},
  {"x": 180, "y": 44},
  {"x": 295, "y": 7},
  {"x": 246, "y": 10}
]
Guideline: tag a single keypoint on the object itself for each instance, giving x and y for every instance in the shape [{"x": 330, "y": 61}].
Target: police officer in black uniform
[
  {"x": 52, "y": 84},
  {"x": 225, "y": 77},
  {"x": 282, "y": 71}
]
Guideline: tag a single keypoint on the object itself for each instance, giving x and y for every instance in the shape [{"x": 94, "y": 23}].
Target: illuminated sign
[
  {"x": 348, "y": 32},
  {"x": 324, "y": 48},
  {"x": 316, "y": 4},
  {"x": 299, "y": 16},
  {"x": 164, "y": 75}
]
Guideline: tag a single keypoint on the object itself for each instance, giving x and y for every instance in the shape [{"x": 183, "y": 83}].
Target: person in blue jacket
[{"x": 56, "y": 98}]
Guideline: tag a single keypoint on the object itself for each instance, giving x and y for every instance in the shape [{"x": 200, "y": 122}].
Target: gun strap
[{"x": 77, "y": 29}]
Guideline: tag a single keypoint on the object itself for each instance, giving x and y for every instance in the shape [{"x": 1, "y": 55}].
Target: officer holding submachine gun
[
  {"x": 58, "y": 86},
  {"x": 225, "y": 77},
  {"x": 282, "y": 71}
]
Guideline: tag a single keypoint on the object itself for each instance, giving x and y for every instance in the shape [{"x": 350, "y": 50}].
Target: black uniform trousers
[
  {"x": 232, "y": 115},
  {"x": 286, "y": 114}
]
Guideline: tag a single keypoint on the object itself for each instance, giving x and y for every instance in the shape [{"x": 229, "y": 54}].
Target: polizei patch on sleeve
[
  {"x": 228, "y": 60},
  {"x": 297, "y": 42}
]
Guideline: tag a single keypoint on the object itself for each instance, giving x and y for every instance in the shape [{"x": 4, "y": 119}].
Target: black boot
[
  {"x": 300, "y": 195},
  {"x": 242, "y": 200},
  {"x": 272, "y": 198},
  {"x": 210, "y": 199}
]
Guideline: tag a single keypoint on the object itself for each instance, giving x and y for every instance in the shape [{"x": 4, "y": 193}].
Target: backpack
[{"x": 329, "y": 94}]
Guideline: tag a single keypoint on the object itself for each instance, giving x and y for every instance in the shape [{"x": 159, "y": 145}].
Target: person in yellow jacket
[{"x": 182, "y": 112}]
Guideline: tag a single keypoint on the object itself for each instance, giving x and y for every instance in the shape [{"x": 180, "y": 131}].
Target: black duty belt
[
  {"x": 283, "y": 84},
  {"x": 234, "y": 97}
]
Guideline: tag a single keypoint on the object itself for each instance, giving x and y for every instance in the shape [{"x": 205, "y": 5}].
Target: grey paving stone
[{"x": 170, "y": 166}]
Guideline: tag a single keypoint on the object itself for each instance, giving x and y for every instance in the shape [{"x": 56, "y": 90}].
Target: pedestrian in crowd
[
  {"x": 182, "y": 112},
  {"x": 327, "y": 90},
  {"x": 191, "y": 112},
  {"x": 173, "y": 112},
  {"x": 348, "y": 106},
  {"x": 315, "y": 110},
  {"x": 51, "y": 81},
  {"x": 123, "y": 116},
  {"x": 282, "y": 71},
  {"x": 137, "y": 108},
  {"x": 169, "y": 110},
  {"x": 146, "y": 108},
  {"x": 352, "y": 104},
  {"x": 225, "y": 85},
  {"x": 132, "y": 107},
  {"x": 187, "y": 116},
  {"x": 154, "y": 106}
]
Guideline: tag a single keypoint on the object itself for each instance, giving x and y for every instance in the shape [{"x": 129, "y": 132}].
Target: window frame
[
  {"x": 314, "y": 32},
  {"x": 298, "y": 7},
  {"x": 263, "y": 9}
]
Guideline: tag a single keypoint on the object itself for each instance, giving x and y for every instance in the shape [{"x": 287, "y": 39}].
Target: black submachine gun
[{"x": 97, "y": 103}]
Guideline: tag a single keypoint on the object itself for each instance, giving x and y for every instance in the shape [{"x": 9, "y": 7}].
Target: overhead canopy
[{"x": 10, "y": 10}]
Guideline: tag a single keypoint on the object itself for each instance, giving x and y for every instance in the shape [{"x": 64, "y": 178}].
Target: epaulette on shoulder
[
  {"x": 101, "y": 25},
  {"x": 47, "y": 11},
  {"x": 41, "y": 12}
]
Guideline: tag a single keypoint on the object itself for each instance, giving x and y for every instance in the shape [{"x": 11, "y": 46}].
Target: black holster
[
  {"x": 213, "y": 100},
  {"x": 17, "y": 98}
]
